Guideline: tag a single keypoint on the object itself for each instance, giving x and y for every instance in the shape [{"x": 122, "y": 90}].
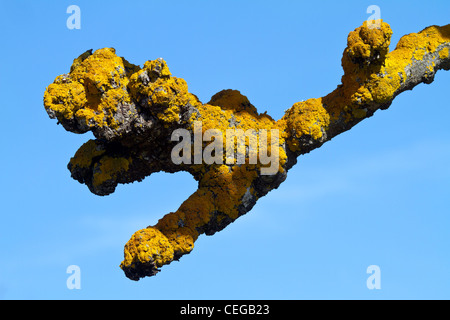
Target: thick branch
[
  {"x": 372, "y": 79},
  {"x": 133, "y": 112}
]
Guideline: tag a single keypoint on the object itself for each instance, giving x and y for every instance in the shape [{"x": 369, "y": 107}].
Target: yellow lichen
[
  {"x": 108, "y": 169},
  {"x": 147, "y": 246},
  {"x": 444, "y": 53},
  {"x": 366, "y": 42},
  {"x": 306, "y": 118},
  {"x": 90, "y": 93},
  {"x": 84, "y": 156},
  {"x": 163, "y": 93},
  {"x": 232, "y": 100},
  {"x": 101, "y": 81}
]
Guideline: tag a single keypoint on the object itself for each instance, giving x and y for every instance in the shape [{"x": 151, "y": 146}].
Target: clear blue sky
[{"x": 376, "y": 195}]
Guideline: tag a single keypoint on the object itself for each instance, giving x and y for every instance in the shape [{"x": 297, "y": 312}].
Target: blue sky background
[{"x": 378, "y": 194}]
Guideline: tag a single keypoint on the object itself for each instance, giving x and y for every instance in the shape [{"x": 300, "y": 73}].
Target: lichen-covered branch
[{"x": 133, "y": 112}]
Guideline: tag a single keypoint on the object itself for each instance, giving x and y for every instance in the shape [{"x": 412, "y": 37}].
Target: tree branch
[{"x": 134, "y": 111}]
